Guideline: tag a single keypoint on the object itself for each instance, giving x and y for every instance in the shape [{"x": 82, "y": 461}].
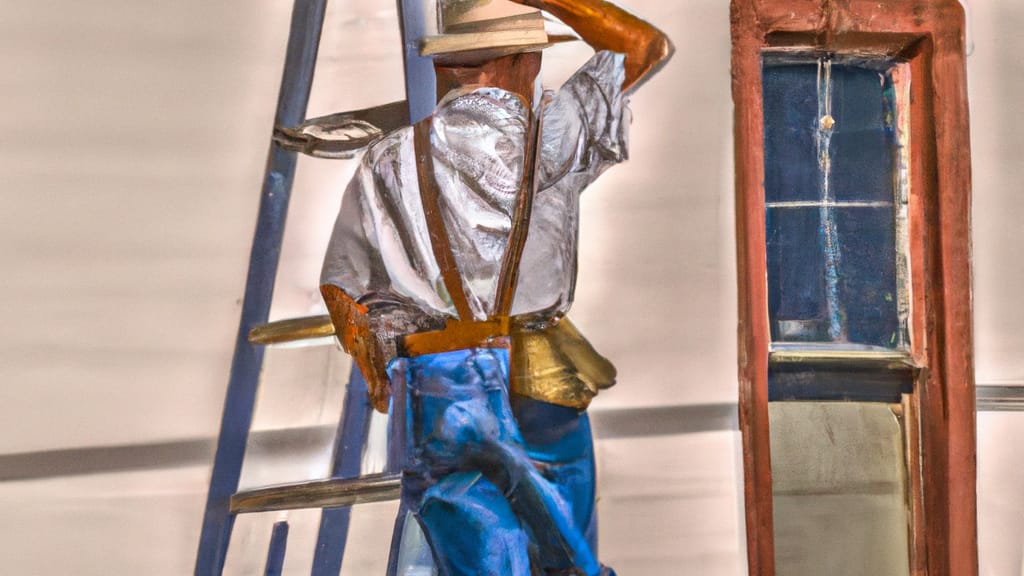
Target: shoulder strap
[
  {"x": 439, "y": 242},
  {"x": 509, "y": 278},
  {"x": 429, "y": 193}
]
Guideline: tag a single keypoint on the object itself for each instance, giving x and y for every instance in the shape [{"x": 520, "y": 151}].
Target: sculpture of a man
[{"x": 456, "y": 244}]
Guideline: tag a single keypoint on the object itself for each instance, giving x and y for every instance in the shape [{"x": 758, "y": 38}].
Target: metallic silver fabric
[{"x": 380, "y": 249}]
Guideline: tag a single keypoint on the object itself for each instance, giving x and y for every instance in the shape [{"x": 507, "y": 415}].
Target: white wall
[{"x": 132, "y": 141}]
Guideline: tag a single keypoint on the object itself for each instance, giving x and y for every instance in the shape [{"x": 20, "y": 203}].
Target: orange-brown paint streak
[
  {"x": 941, "y": 251},
  {"x": 458, "y": 335},
  {"x": 921, "y": 180},
  {"x": 915, "y": 483},
  {"x": 921, "y": 155},
  {"x": 753, "y": 335},
  {"x": 508, "y": 279},
  {"x": 928, "y": 304},
  {"x": 439, "y": 242},
  {"x": 954, "y": 198},
  {"x": 352, "y": 328}
]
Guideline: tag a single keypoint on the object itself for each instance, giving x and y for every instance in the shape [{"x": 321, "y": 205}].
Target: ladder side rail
[
  {"x": 421, "y": 94},
  {"x": 420, "y": 82},
  {"x": 276, "y": 550},
  {"x": 246, "y": 365},
  {"x": 347, "y": 460}
]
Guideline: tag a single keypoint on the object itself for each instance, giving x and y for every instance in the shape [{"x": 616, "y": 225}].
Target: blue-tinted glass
[
  {"x": 864, "y": 135},
  {"x": 831, "y": 240},
  {"x": 799, "y": 381},
  {"x": 790, "y": 118},
  {"x": 796, "y": 275},
  {"x": 867, "y": 275}
]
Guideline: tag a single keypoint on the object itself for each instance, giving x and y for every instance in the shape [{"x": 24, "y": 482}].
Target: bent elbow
[{"x": 660, "y": 51}]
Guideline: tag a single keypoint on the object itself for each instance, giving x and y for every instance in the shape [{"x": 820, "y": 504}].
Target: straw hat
[{"x": 486, "y": 28}]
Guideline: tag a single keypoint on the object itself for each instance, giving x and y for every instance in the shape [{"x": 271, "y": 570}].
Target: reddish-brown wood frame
[{"x": 929, "y": 34}]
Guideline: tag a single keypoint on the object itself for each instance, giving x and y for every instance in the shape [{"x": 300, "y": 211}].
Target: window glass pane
[
  {"x": 832, "y": 173},
  {"x": 866, "y": 275},
  {"x": 796, "y": 276},
  {"x": 847, "y": 294},
  {"x": 839, "y": 483},
  {"x": 790, "y": 118},
  {"x": 863, "y": 140}
]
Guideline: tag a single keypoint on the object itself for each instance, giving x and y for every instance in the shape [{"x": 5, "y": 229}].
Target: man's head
[
  {"x": 516, "y": 73},
  {"x": 489, "y": 43}
]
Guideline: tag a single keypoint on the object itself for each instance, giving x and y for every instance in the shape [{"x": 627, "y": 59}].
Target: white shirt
[{"x": 380, "y": 250}]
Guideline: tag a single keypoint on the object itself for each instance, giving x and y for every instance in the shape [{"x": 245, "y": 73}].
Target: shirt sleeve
[
  {"x": 353, "y": 261},
  {"x": 585, "y": 129},
  {"x": 374, "y": 278},
  {"x": 377, "y": 254}
]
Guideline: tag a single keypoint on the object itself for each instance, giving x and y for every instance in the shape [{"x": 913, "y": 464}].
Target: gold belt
[{"x": 553, "y": 364}]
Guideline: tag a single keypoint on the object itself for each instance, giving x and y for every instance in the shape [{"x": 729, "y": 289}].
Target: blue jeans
[{"x": 474, "y": 475}]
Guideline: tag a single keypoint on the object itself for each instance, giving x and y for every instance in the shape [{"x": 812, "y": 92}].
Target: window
[
  {"x": 836, "y": 205},
  {"x": 835, "y": 138},
  {"x": 856, "y": 381}
]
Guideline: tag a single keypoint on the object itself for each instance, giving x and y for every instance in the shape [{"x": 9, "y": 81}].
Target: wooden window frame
[{"x": 940, "y": 413}]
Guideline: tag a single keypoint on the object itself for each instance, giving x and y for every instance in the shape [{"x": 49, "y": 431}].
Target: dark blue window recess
[{"x": 835, "y": 143}]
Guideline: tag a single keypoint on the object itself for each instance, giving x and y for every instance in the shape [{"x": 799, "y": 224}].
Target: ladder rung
[
  {"x": 293, "y": 330},
  {"x": 332, "y": 493},
  {"x": 345, "y": 134}
]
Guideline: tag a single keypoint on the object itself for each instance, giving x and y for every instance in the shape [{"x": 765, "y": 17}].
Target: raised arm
[{"x": 605, "y": 26}]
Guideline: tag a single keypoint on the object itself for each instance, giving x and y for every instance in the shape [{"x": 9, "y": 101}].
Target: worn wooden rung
[
  {"x": 332, "y": 493},
  {"x": 293, "y": 330},
  {"x": 345, "y": 134}
]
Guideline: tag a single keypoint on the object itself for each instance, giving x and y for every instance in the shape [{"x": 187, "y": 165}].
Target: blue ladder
[{"x": 336, "y": 494}]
